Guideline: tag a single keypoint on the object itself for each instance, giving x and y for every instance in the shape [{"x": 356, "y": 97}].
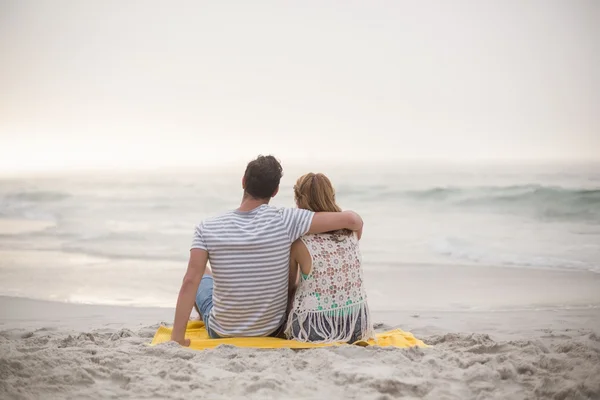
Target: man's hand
[
  {"x": 359, "y": 232},
  {"x": 184, "y": 342}
]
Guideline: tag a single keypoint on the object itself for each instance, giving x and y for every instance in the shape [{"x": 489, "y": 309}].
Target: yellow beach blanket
[{"x": 199, "y": 339}]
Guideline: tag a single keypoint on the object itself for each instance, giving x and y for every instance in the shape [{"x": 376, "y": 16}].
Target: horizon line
[{"x": 231, "y": 166}]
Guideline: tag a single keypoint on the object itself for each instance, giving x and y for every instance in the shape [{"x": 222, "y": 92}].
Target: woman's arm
[{"x": 293, "y": 278}]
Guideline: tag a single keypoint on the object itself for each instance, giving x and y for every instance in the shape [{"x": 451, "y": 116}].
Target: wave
[
  {"x": 544, "y": 201},
  {"x": 463, "y": 250},
  {"x": 509, "y": 194},
  {"x": 32, "y": 204},
  {"x": 37, "y": 196}
]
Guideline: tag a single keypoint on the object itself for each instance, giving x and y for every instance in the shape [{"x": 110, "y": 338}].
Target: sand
[{"x": 54, "y": 350}]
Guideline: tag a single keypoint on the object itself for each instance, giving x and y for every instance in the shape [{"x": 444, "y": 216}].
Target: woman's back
[{"x": 330, "y": 303}]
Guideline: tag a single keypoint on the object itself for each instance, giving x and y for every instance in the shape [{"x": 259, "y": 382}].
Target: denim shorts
[{"x": 204, "y": 304}]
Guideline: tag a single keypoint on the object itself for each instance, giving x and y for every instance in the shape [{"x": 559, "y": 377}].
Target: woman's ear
[{"x": 244, "y": 182}]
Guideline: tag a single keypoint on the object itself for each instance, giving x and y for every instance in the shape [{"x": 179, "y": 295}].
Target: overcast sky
[{"x": 147, "y": 83}]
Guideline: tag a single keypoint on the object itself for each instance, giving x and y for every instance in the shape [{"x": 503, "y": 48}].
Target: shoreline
[
  {"x": 405, "y": 287},
  {"x": 21, "y": 314}
]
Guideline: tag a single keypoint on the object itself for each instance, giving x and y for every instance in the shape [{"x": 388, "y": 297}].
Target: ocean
[{"x": 123, "y": 238}]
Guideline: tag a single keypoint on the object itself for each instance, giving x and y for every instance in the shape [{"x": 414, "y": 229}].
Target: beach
[
  {"x": 462, "y": 134},
  {"x": 496, "y": 270},
  {"x": 503, "y": 350}
]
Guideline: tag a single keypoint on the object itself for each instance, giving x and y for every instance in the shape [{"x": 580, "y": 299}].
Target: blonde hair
[{"x": 315, "y": 192}]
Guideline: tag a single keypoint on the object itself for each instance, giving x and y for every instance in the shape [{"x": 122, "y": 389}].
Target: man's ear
[
  {"x": 275, "y": 192},
  {"x": 244, "y": 182}
]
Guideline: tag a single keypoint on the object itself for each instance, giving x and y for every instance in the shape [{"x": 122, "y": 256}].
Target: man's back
[{"x": 249, "y": 257}]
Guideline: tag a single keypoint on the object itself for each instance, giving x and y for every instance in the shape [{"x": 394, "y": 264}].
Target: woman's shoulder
[
  {"x": 329, "y": 237},
  {"x": 315, "y": 236}
]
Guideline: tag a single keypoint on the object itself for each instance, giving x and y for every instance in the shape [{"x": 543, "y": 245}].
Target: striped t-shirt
[{"x": 249, "y": 254}]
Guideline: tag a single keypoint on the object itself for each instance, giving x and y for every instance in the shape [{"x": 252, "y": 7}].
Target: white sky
[{"x": 146, "y": 83}]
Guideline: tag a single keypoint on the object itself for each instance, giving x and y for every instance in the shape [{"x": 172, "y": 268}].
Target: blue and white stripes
[{"x": 249, "y": 255}]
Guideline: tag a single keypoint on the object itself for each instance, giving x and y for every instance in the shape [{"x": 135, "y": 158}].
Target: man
[{"x": 245, "y": 292}]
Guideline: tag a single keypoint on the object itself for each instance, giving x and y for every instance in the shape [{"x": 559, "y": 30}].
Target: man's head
[{"x": 262, "y": 177}]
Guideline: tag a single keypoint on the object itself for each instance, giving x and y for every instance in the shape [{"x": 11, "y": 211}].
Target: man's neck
[{"x": 249, "y": 203}]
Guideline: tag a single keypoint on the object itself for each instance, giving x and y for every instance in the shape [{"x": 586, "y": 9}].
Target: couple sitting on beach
[{"x": 282, "y": 272}]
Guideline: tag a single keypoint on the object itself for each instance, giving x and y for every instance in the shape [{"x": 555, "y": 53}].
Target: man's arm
[
  {"x": 187, "y": 294},
  {"x": 333, "y": 221}
]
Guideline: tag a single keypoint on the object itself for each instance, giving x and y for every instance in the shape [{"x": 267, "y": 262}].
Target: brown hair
[
  {"x": 315, "y": 192},
  {"x": 262, "y": 177}
]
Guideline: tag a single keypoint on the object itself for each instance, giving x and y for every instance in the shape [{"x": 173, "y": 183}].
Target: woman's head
[{"x": 314, "y": 192}]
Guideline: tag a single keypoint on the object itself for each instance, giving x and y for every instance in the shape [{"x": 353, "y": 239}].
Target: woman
[{"x": 329, "y": 303}]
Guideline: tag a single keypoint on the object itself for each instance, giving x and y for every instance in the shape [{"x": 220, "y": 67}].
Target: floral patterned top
[{"x": 334, "y": 287}]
